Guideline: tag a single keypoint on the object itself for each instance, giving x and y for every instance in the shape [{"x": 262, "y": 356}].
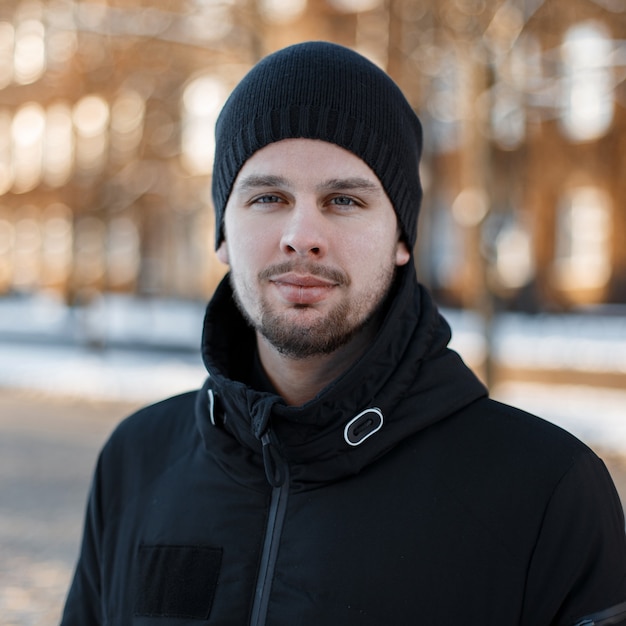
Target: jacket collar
[{"x": 407, "y": 380}]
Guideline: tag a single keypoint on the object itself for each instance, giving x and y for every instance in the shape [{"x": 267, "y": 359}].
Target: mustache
[{"x": 313, "y": 269}]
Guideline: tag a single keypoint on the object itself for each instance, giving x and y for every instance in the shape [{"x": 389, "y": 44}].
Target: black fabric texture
[
  {"x": 458, "y": 510},
  {"x": 615, "y": 616},
  {"x": 176, "y": 581}
]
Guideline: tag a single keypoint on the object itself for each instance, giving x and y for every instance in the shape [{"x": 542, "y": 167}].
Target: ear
[
  {"x": 403, "y": 255},
  {"x": 222, "y": 252}
]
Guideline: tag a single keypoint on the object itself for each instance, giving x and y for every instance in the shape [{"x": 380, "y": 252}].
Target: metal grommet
[{"x": 364, "y": 425}]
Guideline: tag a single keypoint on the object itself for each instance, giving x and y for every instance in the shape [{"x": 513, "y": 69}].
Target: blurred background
[{"x": 107, "y": 110}]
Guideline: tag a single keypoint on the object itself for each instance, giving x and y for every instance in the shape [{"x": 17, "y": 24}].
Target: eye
[
  {"x": 345, "y": 201},
  {"x": 267, "y": 199}
]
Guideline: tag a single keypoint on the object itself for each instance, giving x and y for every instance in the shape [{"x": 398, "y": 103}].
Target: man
[{"x": 341, "y": 465}]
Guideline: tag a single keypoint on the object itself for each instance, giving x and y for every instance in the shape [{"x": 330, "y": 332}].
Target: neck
[{"x": 299, "y": 380}]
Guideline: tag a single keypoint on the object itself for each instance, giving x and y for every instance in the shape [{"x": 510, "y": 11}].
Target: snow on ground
[
  {"x": 595, "y": 415},
  {"x": 113, "y": 374}
]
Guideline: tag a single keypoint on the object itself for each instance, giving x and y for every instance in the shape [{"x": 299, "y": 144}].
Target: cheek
[
  {"x": 248, "y": 254},
  {"x": 373, "y": 248},
  {"x": 250, "y": 237}
]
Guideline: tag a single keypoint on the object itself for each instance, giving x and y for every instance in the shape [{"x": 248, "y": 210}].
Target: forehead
[{"x": 306, "y": 160}]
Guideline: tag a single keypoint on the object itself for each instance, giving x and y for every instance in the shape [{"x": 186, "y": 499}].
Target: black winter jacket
[{"x": 400, "y": 495}]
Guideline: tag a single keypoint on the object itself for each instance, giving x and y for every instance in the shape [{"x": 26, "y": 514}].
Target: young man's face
[{"x": 312, "y": 242}]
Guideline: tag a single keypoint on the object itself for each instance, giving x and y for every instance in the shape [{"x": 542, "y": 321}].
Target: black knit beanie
[{"x": 320, "y": 90}]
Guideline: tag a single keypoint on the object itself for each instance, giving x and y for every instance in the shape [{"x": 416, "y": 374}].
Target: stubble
[{"x": 297, "y": 336}]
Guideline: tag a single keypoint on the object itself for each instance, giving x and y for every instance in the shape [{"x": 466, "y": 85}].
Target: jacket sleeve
[
  {"x": 83, "y": 603},
  {"x": 577, "y": 573}
]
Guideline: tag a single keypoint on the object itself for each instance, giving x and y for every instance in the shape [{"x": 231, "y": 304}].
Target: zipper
[{"x": 279, "y": 479}]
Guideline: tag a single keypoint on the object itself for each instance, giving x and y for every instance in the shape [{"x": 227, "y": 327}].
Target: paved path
[{"x": 48, "y": 448}]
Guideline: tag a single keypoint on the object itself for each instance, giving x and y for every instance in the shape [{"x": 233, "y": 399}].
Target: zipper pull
[{"x": 273, "y": 461}]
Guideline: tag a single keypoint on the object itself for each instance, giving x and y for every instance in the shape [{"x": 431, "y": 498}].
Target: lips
[{"x": 302, "y": 289}]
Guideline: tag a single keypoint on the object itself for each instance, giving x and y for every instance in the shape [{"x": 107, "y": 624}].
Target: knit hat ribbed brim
[{"x": 320, "y": 90}]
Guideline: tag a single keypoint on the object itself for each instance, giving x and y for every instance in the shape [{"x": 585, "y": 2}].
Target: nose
[{"x": 304, "y": 234}]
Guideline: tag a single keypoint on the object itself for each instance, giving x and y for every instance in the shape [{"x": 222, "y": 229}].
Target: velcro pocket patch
[{"x": 176, "y": 581}]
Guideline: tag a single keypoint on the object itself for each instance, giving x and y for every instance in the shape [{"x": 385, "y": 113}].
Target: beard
[{"x": 301, "y": 339}]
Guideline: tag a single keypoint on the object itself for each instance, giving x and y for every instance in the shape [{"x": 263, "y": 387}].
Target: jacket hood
[{"x": 407, "y": 380}]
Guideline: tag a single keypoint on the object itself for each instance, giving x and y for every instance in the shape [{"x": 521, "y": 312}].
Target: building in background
[{"x": 107, "y": 110}]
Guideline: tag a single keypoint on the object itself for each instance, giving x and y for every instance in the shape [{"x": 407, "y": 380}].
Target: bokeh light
[
  {"x": 27, "y": 133},
  {"x": 91, "y": 119},
  {"x": 30, "y": 58},
  {"x": 282, "y": 11},
  {"x": 59, "y": 145},
  {"x": 202, "y": 100},
  {"x": 588, "y": 81},
  {"x": 583, "y": 245}
]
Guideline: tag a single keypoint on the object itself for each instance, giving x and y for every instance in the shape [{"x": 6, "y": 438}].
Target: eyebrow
[
  {"x": 255, "y": 182},
  {"x": 344, "y": 184},
  {"x": 333, "y": 184}
]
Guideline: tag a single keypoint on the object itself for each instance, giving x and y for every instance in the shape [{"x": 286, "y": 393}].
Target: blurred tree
[{"x": 107, "y": 109}]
